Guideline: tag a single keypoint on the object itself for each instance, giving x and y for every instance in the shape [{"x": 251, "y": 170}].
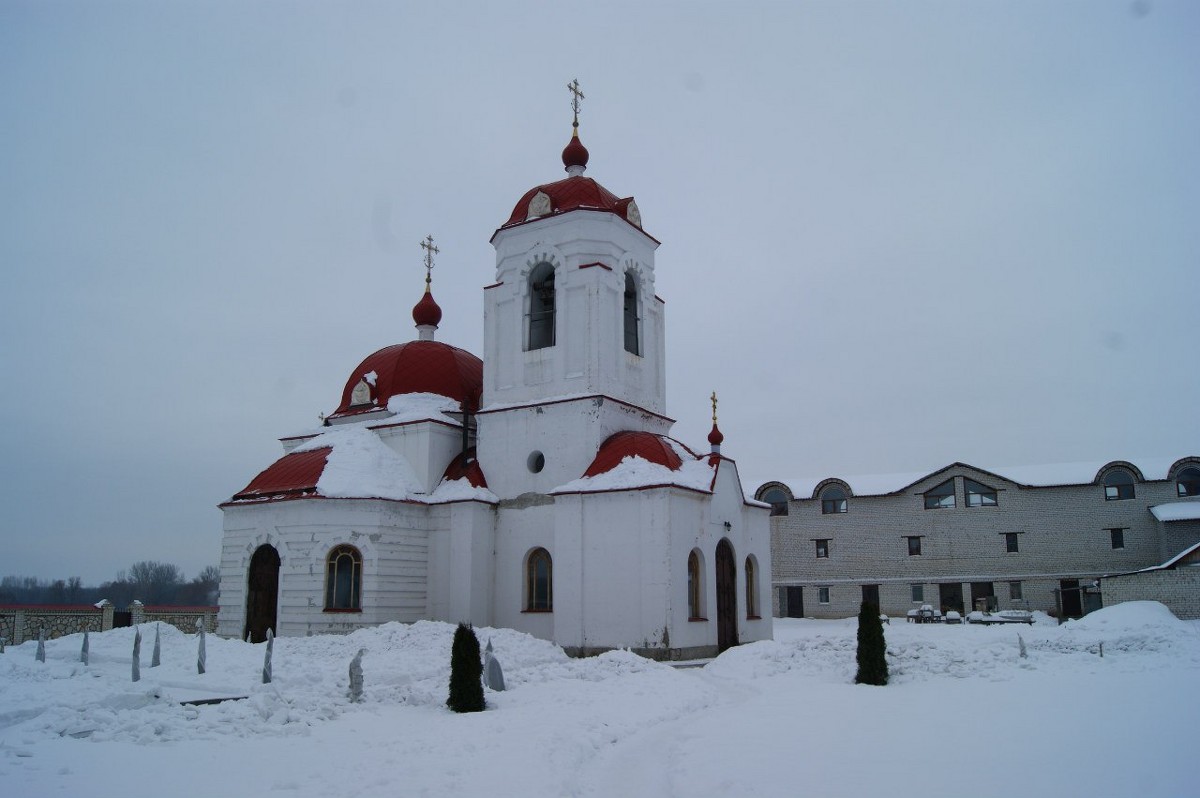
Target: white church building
[{"x": 537, "y": 489}]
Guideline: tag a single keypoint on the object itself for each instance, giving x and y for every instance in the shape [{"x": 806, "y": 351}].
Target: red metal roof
[
  {"x": 295, "y": 473},
  {"x": 466, "y": 465},
  {"x": 571, "y": 194},
  {"x": 645, "y": 445},
  {"x": 417, "y": 367}
]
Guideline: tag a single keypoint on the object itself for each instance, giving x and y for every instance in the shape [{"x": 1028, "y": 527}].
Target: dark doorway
[
  {"x": 1072, "y": 605},
  {"x": 262, "y": 593},
  {"x": 950, "y": 596},
  {"x": 871, "y": 595},
  {"x": 726, "y": 597},
  {"x": 122, "y": 619},
  {"x": 795, "y": 603},
  {"x": 983, "y": 597}
]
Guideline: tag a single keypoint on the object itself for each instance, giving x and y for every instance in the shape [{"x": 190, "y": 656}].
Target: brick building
[{"x": 1028, "y": 537}]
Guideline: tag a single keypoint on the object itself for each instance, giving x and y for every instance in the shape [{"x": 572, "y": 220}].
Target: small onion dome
[
  {"x": 292, "y": 476},
  {"x": 466, "y": 466},
  {"x": 575, "y": 155},
  {"x": 427, "y": 313},
  {"x": 715, "y": 437},
  {"x": 416, "y": 367},
  {"x": 646, "y": 445}
]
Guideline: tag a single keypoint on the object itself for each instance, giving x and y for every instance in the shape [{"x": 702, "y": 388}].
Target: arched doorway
[
  {"x": 262, "y": 592},
  {"x": 726, "y": 596}
]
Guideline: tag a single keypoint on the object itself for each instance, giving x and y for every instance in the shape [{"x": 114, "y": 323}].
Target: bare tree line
[{"x": 151, "y": 582}]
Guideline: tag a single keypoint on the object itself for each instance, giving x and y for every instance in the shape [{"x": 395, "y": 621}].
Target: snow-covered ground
[{"x": 964, "y": 715}]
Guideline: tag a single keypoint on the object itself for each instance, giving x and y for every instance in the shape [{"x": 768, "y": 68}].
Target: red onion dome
[
  {"x": 416, "y": 367},
  {"x": 427, "y": 312},
  {"x": 715, "y": 437},
  {"x": 575, "y": 154}
]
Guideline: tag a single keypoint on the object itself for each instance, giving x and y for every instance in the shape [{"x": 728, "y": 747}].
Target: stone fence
[{"x": 21, "y": 622}]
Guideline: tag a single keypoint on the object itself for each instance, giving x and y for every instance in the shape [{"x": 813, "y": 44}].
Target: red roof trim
[
  {"x": 660, "y": 299},
  {"x": 318, "y": 497},
  {"x": 181, "y": 608},
  {"x": 604, "y": 396},
  {"x": 295, "y": 472},
  {"x": 597, "y": 263},
  {"x": 493, "y": 285}
]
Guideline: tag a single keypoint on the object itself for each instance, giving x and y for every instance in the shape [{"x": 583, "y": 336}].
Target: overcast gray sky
[{"x": 895, "y": 235}]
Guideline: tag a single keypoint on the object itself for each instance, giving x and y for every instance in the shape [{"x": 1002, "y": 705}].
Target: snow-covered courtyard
[{"x": 964, "y": 714}]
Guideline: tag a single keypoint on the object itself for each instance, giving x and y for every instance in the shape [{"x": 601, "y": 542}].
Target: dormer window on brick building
[
  {"x": 941, "y": 497},
  {"x": 978, "y": 494}
]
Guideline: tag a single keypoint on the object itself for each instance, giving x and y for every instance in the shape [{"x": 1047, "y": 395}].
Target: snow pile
[
  {"x": 457, "y": 490},
  {"x": 771, "y": 718},
  {"x": 361, "y": 465},
  {"x": 637, "y": 472},
  {"x": 408, "y": 407}
]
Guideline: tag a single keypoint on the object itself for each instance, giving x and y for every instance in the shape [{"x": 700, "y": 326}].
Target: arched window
[
  {"x": 751, "y": 589},
  {"x": 695, "y": 588},
  {"x": 778, "y": 501},
  {"x": 343, "y": 579},
  {"x": 539, "y": 582},
  {"x": 541, "y": 306},
  {"x": 1187, "y": 483},
  {"x": 632, "y": 341},
  {"x": 1118, "y": 485},
  {"x": 833, "y": 500}
]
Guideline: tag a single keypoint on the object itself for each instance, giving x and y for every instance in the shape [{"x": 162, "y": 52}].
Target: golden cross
[
  {"x": 577, "y": 95},
  {"x": 714, "y": 403},
  {"x": 430, "y": 251}
]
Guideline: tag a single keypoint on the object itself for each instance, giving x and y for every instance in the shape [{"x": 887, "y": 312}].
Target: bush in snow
[
  {"x": 872, "y": 660},
  {"x": 466, "y": 672}
]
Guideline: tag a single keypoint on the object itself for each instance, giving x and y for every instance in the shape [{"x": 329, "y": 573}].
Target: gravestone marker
[
  {"x": 356, "y": 676},
  {"x": 40, "y": 655},
  {"x": 137, "y": 655},
  {"x": 83, "y": 652},
  {"x": 266, "y": 674},
  {"x": 156, "y": 657}
]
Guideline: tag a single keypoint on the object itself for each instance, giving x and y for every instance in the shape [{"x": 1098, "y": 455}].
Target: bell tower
[{"x": 573, "y": 330}]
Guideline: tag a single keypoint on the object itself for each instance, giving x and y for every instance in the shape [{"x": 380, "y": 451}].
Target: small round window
[{"x": 536, "y": 462}]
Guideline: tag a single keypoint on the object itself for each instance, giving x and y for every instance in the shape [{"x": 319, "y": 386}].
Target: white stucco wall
[{"x": 588, "y": 355}]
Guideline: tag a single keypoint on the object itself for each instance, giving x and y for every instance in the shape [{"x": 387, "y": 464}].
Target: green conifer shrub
[
  {"x": 872, "y": 650},
  {"x": 466, "y": 672}
]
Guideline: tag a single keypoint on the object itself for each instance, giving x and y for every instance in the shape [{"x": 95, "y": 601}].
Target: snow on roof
[
  {"x": 457, "y": 490},
  {"x": 635, "y": 472},
  {"x": 407, "y": 407},
  {"x": 1177, "y": 511},
  {"x": 360, "y": 465},
  {"x": 1044, "y": 475}
]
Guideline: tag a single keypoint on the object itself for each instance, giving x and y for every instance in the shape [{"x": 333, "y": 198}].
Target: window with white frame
[{"x": 822, "y": 595}]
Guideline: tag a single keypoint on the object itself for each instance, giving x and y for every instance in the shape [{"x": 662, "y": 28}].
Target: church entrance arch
[
  {"x": 726, "y": 596},
  {"x": 262, "y": 593}
]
